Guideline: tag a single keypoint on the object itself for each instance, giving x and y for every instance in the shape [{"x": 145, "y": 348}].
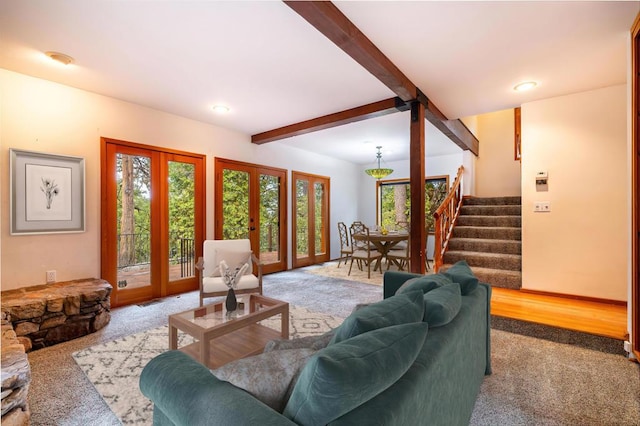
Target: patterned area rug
[{"x": 114, "y": 367}]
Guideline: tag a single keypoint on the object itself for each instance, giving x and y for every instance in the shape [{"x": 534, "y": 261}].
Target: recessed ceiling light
[
  {"x": 221, "y": 109},
  {"x": 527, "y": 85},
  {"x": 60, "y": 57}
]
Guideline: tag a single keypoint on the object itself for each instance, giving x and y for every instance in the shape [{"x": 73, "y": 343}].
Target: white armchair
[{"x": 234, "y": 253}]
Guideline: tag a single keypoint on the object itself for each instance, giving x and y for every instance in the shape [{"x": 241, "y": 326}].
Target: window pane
[
  {"x": 181, "y": 220},
  {"x": 235, "y": 205}
]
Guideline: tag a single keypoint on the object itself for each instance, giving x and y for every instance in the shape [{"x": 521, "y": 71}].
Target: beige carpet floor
[{"x": 332, "y": 270}]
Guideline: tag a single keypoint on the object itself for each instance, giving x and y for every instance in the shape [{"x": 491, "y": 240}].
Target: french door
[
  {"x": 251, "y": 202},
  {"x": 152, "y": 220},
  {"x": 310, "y": 214}
]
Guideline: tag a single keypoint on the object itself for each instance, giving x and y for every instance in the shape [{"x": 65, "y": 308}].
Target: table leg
[
  {"x": 173, "y": 337},
  {"x": 204, "y": 351},
  {"x": 285, "y": 323}
]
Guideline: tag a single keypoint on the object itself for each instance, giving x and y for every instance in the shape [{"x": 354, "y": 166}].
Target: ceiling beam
[
  {"x": 453, "y": 129},
  {"x": 331, "y": 22},
  {"x": 375, "y": 109}
]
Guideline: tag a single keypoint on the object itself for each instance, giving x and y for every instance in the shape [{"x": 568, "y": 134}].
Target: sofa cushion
[
  {"x": 442, "y": 304},
  {"x": 269, "y": 376},
  {"x": 424, "y": 283},
  {"x": 398, "y": 309},
  {"x": 461, "y": 273},
  {"x": 233, "y": 258},
  {"x": 343, "y": 376}
]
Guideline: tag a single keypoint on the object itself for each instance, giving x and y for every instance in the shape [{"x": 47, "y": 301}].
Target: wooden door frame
[
  {"x": 635, "y": 185},
  {"x": 108, "y": 264},
  {"x": 326, "y": 211},
  {"x": 254, "y": 169}
]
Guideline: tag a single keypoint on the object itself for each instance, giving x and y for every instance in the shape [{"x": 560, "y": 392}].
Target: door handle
[{"x": 252, "y": 228}]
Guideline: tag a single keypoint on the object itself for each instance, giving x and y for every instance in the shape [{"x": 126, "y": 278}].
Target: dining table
[{"x": 383, "y": 242}]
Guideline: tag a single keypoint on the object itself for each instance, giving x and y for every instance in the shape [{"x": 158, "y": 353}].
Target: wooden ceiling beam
[
  {"x": 375, "y": 109},
  {"x": 331, "y": 22}
]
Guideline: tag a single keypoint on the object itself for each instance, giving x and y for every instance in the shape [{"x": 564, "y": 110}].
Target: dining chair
[
  {"x": 399, "y": 256},
  {"x": 346, "y": 249},
  {"x": 362, "y": 250}
]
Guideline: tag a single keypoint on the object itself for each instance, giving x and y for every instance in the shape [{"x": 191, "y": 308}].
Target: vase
[{"x": 231, "y": 303}]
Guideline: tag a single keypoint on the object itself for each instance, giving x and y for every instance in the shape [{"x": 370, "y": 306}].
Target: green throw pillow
[
  {"x": 343, "y": 376},
  {"x": 398, "y": 309},
  {"x": 442, "y": 304},
  {"x": 461, "y": 273},
  {"x": 425, "y": 283}
]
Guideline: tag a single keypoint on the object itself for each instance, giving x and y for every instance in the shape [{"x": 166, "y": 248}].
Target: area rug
[
  {"x": 114, "y": 367},
  {"x": 331, "y": 270}
]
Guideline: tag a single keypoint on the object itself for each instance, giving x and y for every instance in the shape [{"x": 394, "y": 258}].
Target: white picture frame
[{"x": 47, "y": 193}]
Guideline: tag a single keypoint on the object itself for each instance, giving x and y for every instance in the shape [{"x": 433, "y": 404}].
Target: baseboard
[{"x": 576, "y": 297}]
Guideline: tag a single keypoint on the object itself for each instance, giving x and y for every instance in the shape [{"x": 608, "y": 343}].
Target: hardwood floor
[{"x": 597, "y": 318}]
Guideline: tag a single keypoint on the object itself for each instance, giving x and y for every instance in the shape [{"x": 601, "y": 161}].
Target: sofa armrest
[
  {"x": 187, "y": 393},
  {"x": 393, "y": 280}
]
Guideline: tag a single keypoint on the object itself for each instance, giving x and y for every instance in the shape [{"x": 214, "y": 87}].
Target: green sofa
[{"x": 372, "y": 372}]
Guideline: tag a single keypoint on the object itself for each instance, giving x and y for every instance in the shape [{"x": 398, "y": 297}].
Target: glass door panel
[
  {"x": 302, "y": 219},
  {"x": 181, "y": 203},
  {"x": 311, "y": 216},
  {"x": 250, "y": 204},
  {"x": 133, "y": 197},
  {"x": 319, "y": 220},
  {"x": 235, "y": 204},
  {"x": 270, "y": 250}
]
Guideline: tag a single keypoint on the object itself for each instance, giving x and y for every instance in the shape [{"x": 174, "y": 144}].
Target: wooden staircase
[{"x": 487, "y": 235}]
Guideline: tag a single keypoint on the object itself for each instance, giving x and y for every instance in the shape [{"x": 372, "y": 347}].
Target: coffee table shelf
[{"x": 221, "y": 337}]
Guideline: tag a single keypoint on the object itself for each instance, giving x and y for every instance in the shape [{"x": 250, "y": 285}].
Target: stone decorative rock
[
  {"x": 16, "y": 377},
  {"x": 44, "y": 315},
  {"x": 39, "y": 316}
]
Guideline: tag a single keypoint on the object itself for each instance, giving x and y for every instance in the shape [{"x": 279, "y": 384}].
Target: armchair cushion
[{"x": 214, "y": 284}]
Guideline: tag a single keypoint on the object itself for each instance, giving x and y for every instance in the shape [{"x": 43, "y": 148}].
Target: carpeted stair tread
[
  {"x": 507, "y": 221},
  {"x": 491, "y": 210},
  {"x": 486, "y": 245},
  {"x": 484, "y": 201},
  {"x": 511, "y": 262},
  {"x": 496, "y": 277},
  {"x": 488, "y": 232}
]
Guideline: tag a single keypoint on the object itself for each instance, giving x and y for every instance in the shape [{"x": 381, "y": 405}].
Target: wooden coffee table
[{"x": 224, "y": 337}]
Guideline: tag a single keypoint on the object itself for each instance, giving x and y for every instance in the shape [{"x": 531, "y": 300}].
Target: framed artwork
[{"x": 47, "y": 193}]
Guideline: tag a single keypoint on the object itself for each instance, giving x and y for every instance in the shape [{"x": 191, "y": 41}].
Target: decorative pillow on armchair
[
  {"x": 398, "y": 309},
  {"x": 269, "y": 377},
  {"x": 345, "y": 375},
  {"x": 233, "y": 259}
]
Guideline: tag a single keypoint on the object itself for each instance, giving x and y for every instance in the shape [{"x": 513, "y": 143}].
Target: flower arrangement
[{"x": 231, "y": 277}]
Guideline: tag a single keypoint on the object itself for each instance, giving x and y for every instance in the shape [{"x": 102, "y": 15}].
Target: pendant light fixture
[{"x": 379, "y": 172}]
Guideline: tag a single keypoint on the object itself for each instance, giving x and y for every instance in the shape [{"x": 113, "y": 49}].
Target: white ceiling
[{"x": 272, "y": 68}]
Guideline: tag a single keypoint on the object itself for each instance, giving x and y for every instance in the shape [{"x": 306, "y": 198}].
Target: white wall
[
  {"x": 581, "y": 246},
  {"x": 39, "y": 115},
  {"x": 497, "y": 174}
]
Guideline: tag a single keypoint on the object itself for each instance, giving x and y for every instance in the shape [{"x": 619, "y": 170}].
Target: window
[{"x": 394, "y": 203}]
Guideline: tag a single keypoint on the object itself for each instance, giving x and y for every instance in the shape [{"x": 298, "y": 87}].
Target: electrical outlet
[
  {"x": 542, "y": 206},
  {"x": 51, "y": 277}
]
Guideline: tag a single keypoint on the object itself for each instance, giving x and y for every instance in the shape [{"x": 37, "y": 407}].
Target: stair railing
[{"x": 445, "y": 218}]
